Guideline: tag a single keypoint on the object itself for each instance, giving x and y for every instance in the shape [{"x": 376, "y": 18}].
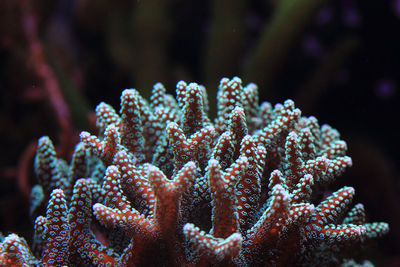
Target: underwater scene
[{"x": 199, "y": 133}]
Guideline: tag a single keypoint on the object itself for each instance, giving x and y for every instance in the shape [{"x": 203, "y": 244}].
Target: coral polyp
[{"x": 164, "y": 185}]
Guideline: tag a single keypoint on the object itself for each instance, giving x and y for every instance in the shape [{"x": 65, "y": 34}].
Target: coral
[{"x": 163, "y": 185}]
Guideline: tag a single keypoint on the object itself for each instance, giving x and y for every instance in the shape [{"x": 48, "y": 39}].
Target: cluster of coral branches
[{"x": 163, "y": 185}]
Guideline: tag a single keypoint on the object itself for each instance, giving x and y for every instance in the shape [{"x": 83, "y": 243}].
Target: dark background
[{"x": 339, "y": 62}]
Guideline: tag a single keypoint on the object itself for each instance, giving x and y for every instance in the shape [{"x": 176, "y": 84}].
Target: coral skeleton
[{"x": 164, "y": 185}]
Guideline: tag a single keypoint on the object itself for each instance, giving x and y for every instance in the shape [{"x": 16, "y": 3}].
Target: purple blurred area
[{"x": 386, "y": 88}]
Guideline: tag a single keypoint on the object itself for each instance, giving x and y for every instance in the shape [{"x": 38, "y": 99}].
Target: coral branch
[{"x": 161, "y": 185}]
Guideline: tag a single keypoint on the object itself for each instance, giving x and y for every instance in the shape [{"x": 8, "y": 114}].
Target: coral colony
[{"x": 163, "y": 185}]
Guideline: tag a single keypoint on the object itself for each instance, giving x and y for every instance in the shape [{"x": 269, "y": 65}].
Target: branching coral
[{"x": 164, "y": 185}]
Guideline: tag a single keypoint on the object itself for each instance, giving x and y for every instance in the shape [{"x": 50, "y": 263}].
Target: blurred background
[{"x": 339, "y": 60}]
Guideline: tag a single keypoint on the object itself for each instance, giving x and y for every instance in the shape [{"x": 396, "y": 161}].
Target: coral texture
[{"x": 163, "y": 185}]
